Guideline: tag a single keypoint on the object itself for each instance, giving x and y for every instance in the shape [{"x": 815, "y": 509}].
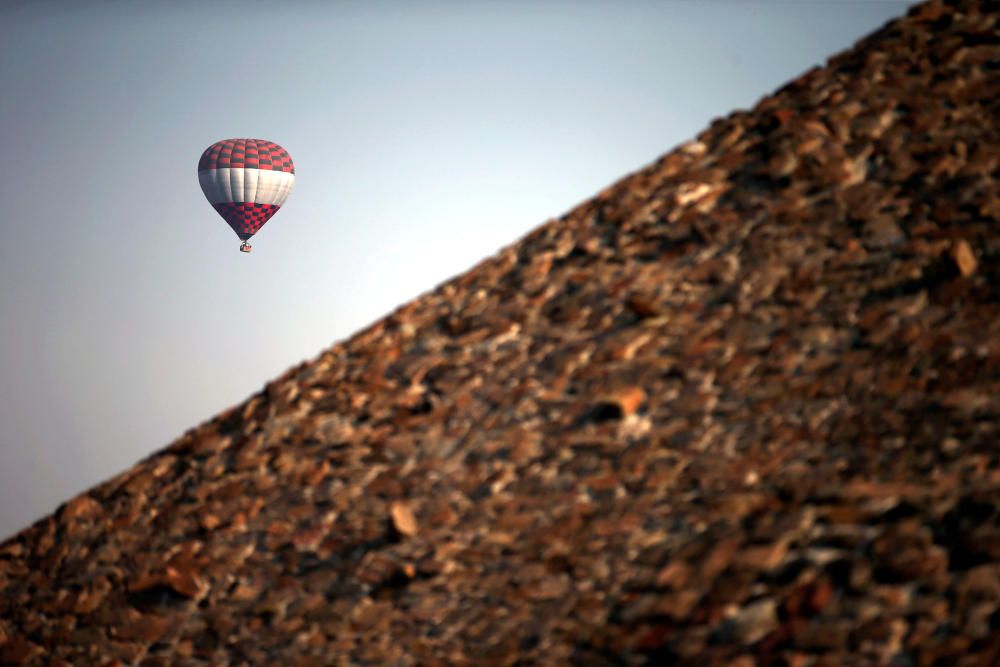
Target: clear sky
[{"x": 426, "y": 135}]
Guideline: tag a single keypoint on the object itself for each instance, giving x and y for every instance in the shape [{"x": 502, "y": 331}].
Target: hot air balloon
[{"x": 247, "y": 181}]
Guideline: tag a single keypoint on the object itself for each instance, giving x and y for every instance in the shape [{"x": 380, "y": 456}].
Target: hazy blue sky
[{"x": 425, "y": 137}]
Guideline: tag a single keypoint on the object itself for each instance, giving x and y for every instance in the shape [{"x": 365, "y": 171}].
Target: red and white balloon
[{"x": 247, "y": 181}]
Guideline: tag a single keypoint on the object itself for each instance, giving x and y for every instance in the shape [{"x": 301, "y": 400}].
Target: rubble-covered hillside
[{"x": 742, "y": 407}]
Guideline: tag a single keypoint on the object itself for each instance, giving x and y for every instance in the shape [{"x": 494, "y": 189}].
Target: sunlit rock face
[{"x": 739, "y": 408}]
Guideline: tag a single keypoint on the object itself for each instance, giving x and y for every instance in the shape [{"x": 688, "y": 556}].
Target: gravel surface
[{"x": 740, "y": 408}]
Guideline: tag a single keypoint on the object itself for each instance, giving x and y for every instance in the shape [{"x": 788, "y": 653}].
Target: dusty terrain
[{"x": 742, "y": 408}]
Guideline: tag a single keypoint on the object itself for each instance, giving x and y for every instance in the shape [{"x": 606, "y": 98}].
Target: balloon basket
[{"x": 245, "y": 247}]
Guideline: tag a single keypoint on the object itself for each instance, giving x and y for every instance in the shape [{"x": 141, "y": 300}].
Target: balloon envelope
[{"x": 247, "y": 181}]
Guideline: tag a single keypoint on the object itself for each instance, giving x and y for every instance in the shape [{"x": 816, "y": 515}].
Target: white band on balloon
[{"x": 239, "y": 184}]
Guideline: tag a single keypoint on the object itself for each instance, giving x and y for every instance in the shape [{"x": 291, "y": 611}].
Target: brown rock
[
  {"x": 642, "y": 306},
  {"x": 964, "y": 258},
  {"x": 618, "y": 404},
  {"x": 675, "y": 575},
  {"x": 751, "y": 623},
  {"x": 144, "y": 627},
  {"x": 679, "y": 605},
  {"x": 762, "y": 558},
  {"x": 403, "y": 519},
  {"x": 91, "y": 596},
  {"x": 81, "y": 507},
  {"x": 186, "y": 582}
]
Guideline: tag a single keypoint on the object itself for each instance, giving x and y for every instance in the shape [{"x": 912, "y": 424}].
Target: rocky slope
[{"x": 741, "y": 407}]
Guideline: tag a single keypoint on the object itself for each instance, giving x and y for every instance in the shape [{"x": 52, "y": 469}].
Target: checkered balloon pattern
[
  {"x": 246, "y": 153},
  {"x": 246, "y": 181},
  {"x": 245, "y": 219}
]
